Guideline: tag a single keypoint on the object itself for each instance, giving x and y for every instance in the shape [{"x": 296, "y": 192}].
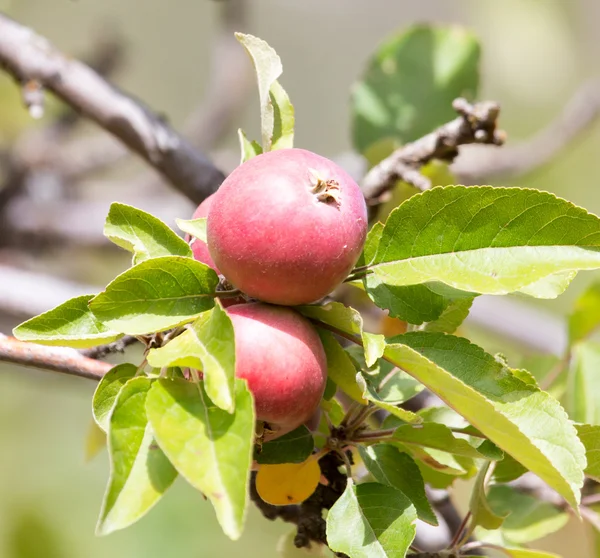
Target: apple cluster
[{"x": 285, "y": 228}]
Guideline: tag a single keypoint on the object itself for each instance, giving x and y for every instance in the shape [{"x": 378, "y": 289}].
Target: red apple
[
  {"x": 287, "y": 226},
  {"x": 280, "y": 354}
]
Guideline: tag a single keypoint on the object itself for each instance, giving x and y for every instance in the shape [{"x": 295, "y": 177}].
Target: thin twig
[
  {"x": 476, "y": 124},
  {"x": 117, "y": 346},
  {"x": 55, "y": 359},
  {"x": 27, "y": 56}
]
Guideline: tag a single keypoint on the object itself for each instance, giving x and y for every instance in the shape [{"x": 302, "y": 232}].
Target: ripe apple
[
  {"x": 287, "y": 226},
  {"x": 280, "y": 354}
]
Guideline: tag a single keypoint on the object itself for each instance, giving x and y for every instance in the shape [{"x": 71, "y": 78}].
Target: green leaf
[
  {"x": 371, "y": 244},
  {"x": 390, "y": 466},
  {"x": 276, "y": 111},
  {"x": 207, "y": 345},
  {"x": 70, "y": 324},
  {"x": 284, "y": 120},
  {"x": 590, "y": 438},
  {"x": 155, "y": 295},
  {"x": 586, "y": 314},
  {"x": 340, "y": 368},
  {"x": 142, "y": 234},
  {"x": 385, "y": 399},
  {"x": 194, "y": 227},
  {"x": 508, "y": 469},
  {"x": 523, "y": 421},
  {"x": 371, "y": 520},
  {"x": 139, "y": 471},
  {"x": 209, "y": 447},
  {"x": 248, "y": 148},
  {"x": 452, "y": 317},
  {"x": 391, "y": 384},
  {"x": 481, "y": 511},
  {"x": 415, "y": 304},
  {"x": 436, "y": 436},
  {"x": 527, "y": 518},
  {"x": 583, "y": 393},
  {"x": 294, "y": 447},
  {"x": 107, "y": 390},
  {"x": 487, "y": 240},
  {"x": 410, "y": 83}
]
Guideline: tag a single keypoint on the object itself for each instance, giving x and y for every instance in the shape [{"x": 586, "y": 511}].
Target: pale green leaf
[
  {"x": 410, "y": 82},
  {"x": 334, "y": 410},
  {"x": 528, "y": 553},
  {"x": 522, "y": 420},
  {"x": 481, "y": 511},
  {"x": 207, "y": 345},
  {"x": 487, "y": 240},
  {"x": 590, "y": 438},
  {"x": 95, "y": 441},
  {"x": 374, "y": 345},
  {"x": 283, "y": 117},
  {"x": 193, "y": 227},
  {"x": 210, "y": 448},
  {"x": 583, "y": 388},
  {"x": 527, "y": 518},
  {"x": 371, "y": 244},
  {"x": 586, "y": 314},
  {"x": 155, "y": 295},
  {"x": 294, "y": 447},
  {"x": 71, "y": 324},
  {"x": 390, "y": 466},
  {"x": 340, "y": 368},
  {"x": 139, "y": 471},
  {"x": 107, "y": 390},
  {"x": 371, "y": 520},
  {"x": 348, "y": 320},
  {"x": 142, "y": 234},
  {"x": 276, "y": 111},
  {"x": 248, "y": 148}
]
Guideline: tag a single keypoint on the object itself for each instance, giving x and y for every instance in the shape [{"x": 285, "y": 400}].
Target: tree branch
[
  {"x": 28, "y": 57},
  {"x": 55, "y": 359},
  {"x": 476, "y": 124}
]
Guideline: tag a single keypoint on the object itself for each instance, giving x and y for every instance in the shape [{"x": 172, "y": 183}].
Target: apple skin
[
  {"x": 279, "y": 241},
  {"x": 281, "y": 356},
  {"x": 199, "y": 248}
]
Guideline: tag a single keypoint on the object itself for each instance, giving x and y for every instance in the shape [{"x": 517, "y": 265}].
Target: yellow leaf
[{"x": 288, "y": 483}]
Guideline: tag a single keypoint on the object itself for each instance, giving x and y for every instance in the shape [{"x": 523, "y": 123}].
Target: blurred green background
[{"x": 535, "y": 55}]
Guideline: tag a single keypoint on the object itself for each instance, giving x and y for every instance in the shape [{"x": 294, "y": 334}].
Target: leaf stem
[
  {"x": 459, "y": 531},
  {"x": 231, "y": 293},
  {"x": 353, "y": 409},
  {"x": 373, "y": 435},
  {"x": 360, "y": 418}
]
